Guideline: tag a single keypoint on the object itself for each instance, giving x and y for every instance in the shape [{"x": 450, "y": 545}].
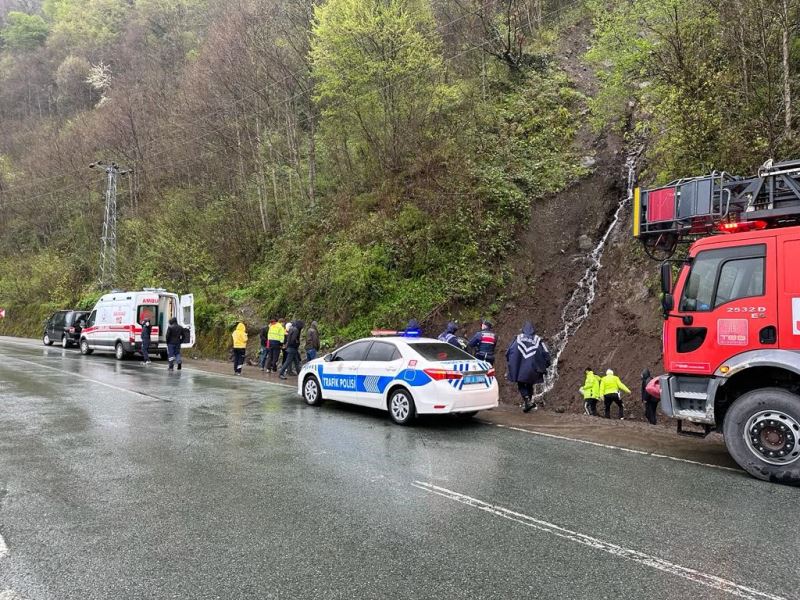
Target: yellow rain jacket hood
[{"x": 240, "y": 336}]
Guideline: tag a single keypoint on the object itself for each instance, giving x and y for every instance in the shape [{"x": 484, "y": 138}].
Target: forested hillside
[{"x": 358, "y": 162}]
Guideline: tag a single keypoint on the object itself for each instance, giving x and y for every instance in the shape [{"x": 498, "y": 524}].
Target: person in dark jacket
[
  {"x": 449, "y": 335},
  {"x": 262, "y": 347},
  {"x": 147, "y": 329},
  {"x": 292, "y": 349},
  {"x": 528, "y": 359},
  {"x": 484, "y": 342},
  {"x": 312, "y": 341},
  {"x": 174, "y": 340},
  {"x": 650, "y": 401}
]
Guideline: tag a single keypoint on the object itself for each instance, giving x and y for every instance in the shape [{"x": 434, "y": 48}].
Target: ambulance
[{"x": 115, "y": 323}]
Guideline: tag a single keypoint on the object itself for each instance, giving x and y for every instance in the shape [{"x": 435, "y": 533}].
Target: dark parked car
[{"x": 64, "y": 327}]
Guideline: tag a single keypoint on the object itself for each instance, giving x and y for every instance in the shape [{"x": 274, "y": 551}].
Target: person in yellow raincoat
[
  {"x": 591, "y": 392},
  {"x": 239, "y": 347},
  {"x": 610, "y": 387}
]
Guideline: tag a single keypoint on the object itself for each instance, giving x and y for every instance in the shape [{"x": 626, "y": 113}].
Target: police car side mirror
[{"x": 328, "y": 357}]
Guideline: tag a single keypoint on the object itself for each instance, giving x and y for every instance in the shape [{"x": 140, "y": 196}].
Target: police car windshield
[{"x": 439, "y": 351}]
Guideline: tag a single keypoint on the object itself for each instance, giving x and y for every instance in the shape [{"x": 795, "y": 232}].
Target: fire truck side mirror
[
  {"x": 667, "y": 304},
  {"x": 666, "y": 278}
]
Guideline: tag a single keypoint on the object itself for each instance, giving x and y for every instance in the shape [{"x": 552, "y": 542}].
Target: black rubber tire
[
  {"x": 736, "y": 419},
  {"x": 46, "y": 340},
  {"x": 312, "y": 392},
  {"x": 162, "y": 354},
  {"x": 64, "y": 341},
  {"x": 398, "y": 400},
  {"x": 85, "y": 350},
  {"x": 119, "y": 351}
]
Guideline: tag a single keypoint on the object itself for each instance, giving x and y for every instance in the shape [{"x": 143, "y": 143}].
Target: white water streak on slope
[{"x": 576, "y": 310}]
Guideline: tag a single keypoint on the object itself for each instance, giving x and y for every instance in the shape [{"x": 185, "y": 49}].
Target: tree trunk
[{"x": 787, "y": 87}]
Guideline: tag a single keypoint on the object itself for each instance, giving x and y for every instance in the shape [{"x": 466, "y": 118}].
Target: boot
[{"x": 527, "y": 405}]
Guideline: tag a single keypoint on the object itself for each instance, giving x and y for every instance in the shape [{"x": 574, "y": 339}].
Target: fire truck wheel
[{"x": 762, "y": 433}]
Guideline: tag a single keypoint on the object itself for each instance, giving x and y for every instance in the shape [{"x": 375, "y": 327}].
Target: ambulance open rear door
[{"x": 187, "y": 318}]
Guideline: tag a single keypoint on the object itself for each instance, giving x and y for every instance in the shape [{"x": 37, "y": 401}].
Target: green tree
[
  {"x": 85, "y": 25},
  {"x": 377, "y": 65},
  {"x": 23, "y": 32}
]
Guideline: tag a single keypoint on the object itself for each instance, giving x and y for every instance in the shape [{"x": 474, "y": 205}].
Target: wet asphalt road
[{"x": 123, "y": 481}]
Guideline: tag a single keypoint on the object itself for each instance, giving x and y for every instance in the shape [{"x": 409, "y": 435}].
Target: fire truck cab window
[{"x": 720, "y": 276}]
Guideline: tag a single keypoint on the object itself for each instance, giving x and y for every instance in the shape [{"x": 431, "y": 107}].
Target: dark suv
[{"x": 64, "y": 326}]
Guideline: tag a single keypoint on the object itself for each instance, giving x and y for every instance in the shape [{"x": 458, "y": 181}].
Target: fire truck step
[{"x": 699, "y": 434}]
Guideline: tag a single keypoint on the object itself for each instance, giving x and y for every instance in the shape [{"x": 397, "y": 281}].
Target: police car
[{"x": 405, "y": 376}]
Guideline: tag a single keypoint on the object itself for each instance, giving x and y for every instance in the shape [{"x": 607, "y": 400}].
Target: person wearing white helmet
[{"x": 610, "y": 387}]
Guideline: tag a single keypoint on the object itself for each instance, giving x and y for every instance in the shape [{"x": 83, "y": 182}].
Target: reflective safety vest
[
  {"x": 276, "y": 333},
  {"x": 591, "y": 386},
  {"x": 611, "y": 384}
]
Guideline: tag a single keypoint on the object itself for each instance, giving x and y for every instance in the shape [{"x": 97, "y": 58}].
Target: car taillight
[
  {"x": 440, "y": 374},
  {"x": 490, "y": 372}
]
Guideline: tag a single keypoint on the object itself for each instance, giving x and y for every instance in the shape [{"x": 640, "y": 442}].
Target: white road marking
[
  {"x": 706, "y": 579},
  {"x": 10, "y": 595},
  {"x": 3, "y": 549},
  {"x": 611, "y": 447}
]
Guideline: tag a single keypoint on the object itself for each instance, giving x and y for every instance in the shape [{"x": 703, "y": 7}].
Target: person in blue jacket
[
  {"x": 412, "y": 329},
  {"x": 484, "y": 342},
  {"x": 528, "y": 359},
  {"x": 449, "y": 335}
]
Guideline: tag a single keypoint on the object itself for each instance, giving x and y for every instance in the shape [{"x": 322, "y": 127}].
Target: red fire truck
[{"x": 731, "y": 334}]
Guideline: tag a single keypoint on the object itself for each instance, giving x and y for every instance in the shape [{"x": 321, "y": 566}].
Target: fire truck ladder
[{"x": 686, "y": 209}]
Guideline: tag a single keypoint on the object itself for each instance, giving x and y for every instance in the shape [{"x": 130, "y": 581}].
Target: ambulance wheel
[
  {"x": 119, "y": 351},
  {"x": 762, "y": 433},
  {"x": 401, "y": 406},
  {"x": 312, "y": 393},
  {"x": 46, "y": 340},
  {"x": 85, "y": 350}
]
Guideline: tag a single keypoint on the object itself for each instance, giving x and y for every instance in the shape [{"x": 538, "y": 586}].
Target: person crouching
[{"x": 528, "y": 360}]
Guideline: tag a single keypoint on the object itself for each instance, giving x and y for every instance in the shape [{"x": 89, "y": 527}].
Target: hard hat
[{"x": 609, "y": 372}]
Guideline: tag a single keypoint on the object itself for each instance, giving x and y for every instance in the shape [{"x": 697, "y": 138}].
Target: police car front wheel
[
  {"x": 311, "y": 391},
  {"x": 401, "y": 407}
]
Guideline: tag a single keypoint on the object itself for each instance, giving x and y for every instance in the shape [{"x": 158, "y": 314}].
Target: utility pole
[{"x": 108, "y": 251}]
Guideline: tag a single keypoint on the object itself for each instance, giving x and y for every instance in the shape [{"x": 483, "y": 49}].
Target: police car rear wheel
[
  {"x": 401, "y": 407},
  {"x": 311, "y": 391}
]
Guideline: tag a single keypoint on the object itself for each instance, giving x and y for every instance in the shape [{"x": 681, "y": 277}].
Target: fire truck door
[
  {"x": 789, "y": 291},
  {"x": 727, "y": 306}
]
